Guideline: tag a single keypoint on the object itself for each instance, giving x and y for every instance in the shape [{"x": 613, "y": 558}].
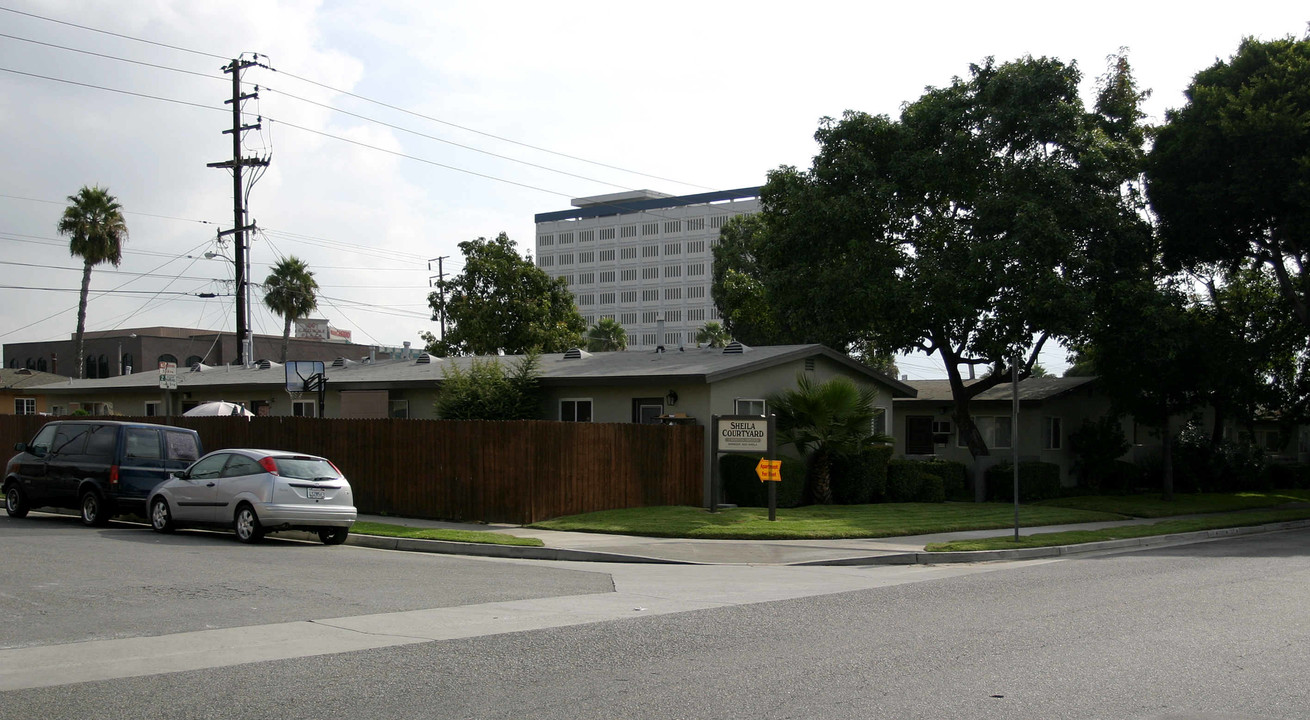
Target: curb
[{"x": 449, "y": 547}]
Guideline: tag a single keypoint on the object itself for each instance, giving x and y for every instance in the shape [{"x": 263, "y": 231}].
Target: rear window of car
[
  {"x": 305, "y": 468},
  {"x": 181, "y": 445}
]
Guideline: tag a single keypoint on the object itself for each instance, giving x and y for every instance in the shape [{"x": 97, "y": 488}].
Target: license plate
[{"x": 315, "y": 493}]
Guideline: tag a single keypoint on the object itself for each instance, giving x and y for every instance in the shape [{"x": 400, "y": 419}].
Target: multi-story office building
[{"x": 642, "y": 258}]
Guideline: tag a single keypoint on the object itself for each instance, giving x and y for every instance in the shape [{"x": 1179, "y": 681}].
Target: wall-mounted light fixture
[{"x": 671, "y": 398}]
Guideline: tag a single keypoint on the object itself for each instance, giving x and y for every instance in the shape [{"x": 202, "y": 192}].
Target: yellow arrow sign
[{"x": 769, "y": 470}]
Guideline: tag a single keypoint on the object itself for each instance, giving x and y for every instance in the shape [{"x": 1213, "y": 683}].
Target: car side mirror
[{"x": 20, "y": 447}]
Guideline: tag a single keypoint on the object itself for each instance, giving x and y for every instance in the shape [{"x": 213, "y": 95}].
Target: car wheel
[
  {"x": 161, "y": 518},
  {"x": 246, "y": 524},
  {"x": 333, "y": 535},
  {"x": 94, "y": 512},
  {"x": 15, "y": 502}
]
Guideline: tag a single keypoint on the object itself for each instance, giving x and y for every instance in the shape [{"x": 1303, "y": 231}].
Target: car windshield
[{"x": 305, "y": 468}]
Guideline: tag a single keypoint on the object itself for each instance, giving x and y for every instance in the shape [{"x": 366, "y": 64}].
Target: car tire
[
  {"x": 246, "y": 524},
  {"x": 333, "y": 535},
  {"x": 94, "y": 512},
  {"x": 161, "y": 517},
  {"x": 15, "y": 501}
]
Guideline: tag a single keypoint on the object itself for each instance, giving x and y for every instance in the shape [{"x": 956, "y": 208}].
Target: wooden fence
[{"x": 516, "y": 472}]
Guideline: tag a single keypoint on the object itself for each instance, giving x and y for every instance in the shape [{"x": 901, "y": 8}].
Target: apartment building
[{"x": 641, "y": 257}]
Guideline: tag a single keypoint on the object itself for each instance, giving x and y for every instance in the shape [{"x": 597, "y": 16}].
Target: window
[
  {"x": 24, "y": 406},
  {"x": 748, "y": 406},
  {"x": 545, "y": 241},
  {"x": 607, "y": 233},
  {"x": 672, "y": 226},
  {"x": 70, "y": 439},
  {"x": 209, "y": 467},
  {"x": 607, "y": 298},
  {"x": 650, "y": 316},
  {"x": 152, "y": 408},
  {"x": 628, "y": 296},
  {"x": 696, "y": 269},
  {"x": 694, "y": 224},
  {"x": 717, "y": 221},
  {"x": 696, "y": 292},
  {"x": 714, "y": 313},
  {"x": 650, "y": 228},
  {"x": 305, "y": 408},
  {"x": 568, "y": 279},
  {"x": 696, "y": 314},
  {"x": 672, "y": 249},
  {"x": 587, "y": 256},
  {"x": 587, "y": 236},
  {"x": 647, "y": 410},
  {"x": 575, "y": 410},
  {"x": 240, "y": 466},
  {"x": 696, "y": 246},
  {"x": 650, "y": 295},
  {"x": 545, "y": 261},
  {"x": 879, "y": 421},
  {"x": 586, "y": 299},
  {"x": 194, "y": 360},
  {"x": 566, "y": 238},
  {"x": 628, "y": 231},
  {"x": 1051, "y": 433},
  {"x": 566, "y": 259},
  {"x": 650, "y": 273},
  {"x": 629, "y": 275},
  {"x": 607, "y": 255},
  {"x": 607, "y": 276},
  {"x": 181, "y": 445},
  {"x": 673, "y": 316},
  {"x": 126, "y": 367},
  {"x": 671, "y": 338},
  {"x": 995, "y": 432},
  {"x": 648, "y": 338},
  {"x": 628, "y": 318},
  {"x": 672, "y": 271},
  {"x": 587, "y": 278},
  {"x": 142, "y": 443},
  {"x": 102, "y": 442},
  {"x": 672, "y": 293},
  {"x": 628, "y": 253},
  {"x": 650, "y": 251}
]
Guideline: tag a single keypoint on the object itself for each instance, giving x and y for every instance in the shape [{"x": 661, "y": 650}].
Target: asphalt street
[{"x": 1210, "y": 630}]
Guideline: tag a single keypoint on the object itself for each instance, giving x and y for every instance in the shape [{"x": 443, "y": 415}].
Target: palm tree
[
  {"x": 606, "y": 335},
  {"x": 290, "y": 291},
  {"x": 825, "y": 419},
  {"x": 713, "y": 335},
  {"x": 94, "y": 223}
]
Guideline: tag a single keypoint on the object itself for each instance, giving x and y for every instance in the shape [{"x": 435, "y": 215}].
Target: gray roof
[
  {"x": 11, "y": 378},
  {"x": 1032, "y": 389},
  {"x": 693, "y": 365}
]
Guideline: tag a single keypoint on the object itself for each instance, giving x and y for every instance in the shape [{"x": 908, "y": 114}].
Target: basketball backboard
[{"x": 299, "y": 373}]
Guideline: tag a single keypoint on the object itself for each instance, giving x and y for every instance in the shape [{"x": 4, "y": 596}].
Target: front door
[
  {"x": 918, "y": 435},
  {"x": 195, "y": 496},
  {"x": 647, "y": 411}
]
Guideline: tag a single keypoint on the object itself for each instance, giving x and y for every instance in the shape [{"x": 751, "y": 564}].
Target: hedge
[
  {"x": 1037, "y": 481},
  {"x": 1288, "y": 476},
  {"x": 861, "y": 478},
  {"x": 911, "y": 481},
  {"x": 742, "y": 486}
]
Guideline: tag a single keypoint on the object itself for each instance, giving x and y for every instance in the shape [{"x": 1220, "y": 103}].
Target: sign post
[
  {"x": 168, "y": 383},
  {"x": 749, "y": 434}
]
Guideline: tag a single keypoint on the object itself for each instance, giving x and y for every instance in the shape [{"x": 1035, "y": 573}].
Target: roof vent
[
  {"x": 266, "y": 364},
  {"x": 343, "y": 362},
  {"x": 200, "y": 367},
  {"x": 576, "y": 354},
  {"x": 426, "y": 359},
  {"x": 735, "y": 348}
]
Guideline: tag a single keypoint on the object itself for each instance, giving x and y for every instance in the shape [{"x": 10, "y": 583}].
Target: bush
[
  {"x": 955, "y": 478},
  {"x": 1229, "y": 466},
  {"x": 861, "y": 478},
  {"x": 741, "y": 486},
  {"x": 1037, "y": 481},
  {"x": 1288, "y": 476},
  {"x": 1097, "y": 447},
  {"x": 911, "y": 481}
]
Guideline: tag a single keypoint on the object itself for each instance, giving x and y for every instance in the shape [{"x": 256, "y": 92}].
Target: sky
[{"x": 397, "y": 129}]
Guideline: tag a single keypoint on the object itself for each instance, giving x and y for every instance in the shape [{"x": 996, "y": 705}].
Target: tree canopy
[
  {"x": 969, "y": 227},
  {"x": 1229, "y": 174},
  {"x": 502, "y": 303},
  {"x": 291, "y": 291},
  {"x": 607, "y": 335}
]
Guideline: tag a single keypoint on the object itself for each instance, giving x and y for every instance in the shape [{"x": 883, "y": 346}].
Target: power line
[
  {"x": 118, "y": 35},
  {"x": 101, "y": 87},
  {"x": 110, "y": 57}
]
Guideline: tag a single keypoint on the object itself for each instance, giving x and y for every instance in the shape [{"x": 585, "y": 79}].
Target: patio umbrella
[{"x": 218, "y": 407}]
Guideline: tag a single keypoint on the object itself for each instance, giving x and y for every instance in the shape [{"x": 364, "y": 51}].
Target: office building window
[
  {"x": 672, "y": 226},
  {"x": 607, "y": 233},
  {"x": 650, "y": 228}
]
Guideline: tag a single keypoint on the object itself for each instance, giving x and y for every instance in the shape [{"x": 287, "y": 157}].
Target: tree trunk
[
  {"x": 1167, "y": 461},
  {"x": 286, "y": 339},
  {"x": 81, "y": 320},
  {"x": 820, "y": 470}
]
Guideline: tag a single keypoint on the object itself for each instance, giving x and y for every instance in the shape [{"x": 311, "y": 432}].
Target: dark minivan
[{"x": 101, "y": 467}]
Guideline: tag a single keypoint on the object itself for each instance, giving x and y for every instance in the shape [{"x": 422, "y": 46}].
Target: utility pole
[
  {"x": 239, "y": 226},
  {"x": 441, "y": 288}
]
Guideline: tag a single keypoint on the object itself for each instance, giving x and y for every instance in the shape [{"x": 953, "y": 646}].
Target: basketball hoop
[{"x": 295, "y": 394}]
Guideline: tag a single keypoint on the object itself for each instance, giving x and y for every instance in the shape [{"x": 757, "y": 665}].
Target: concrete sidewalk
[{"x": 597, "y": 547}]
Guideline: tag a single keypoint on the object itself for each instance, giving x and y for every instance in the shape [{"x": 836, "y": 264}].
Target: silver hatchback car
[{"x": 254, "y": 492}]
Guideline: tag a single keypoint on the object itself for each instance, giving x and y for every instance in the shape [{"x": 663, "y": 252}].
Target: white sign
[
  {"x": 743, "y": 435},
  {"x": 168, "y": 375}
]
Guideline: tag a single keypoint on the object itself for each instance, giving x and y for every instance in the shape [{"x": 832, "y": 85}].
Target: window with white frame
[
  {"x": 24, "y": 406},
  {"x": 749, "y": 406},
  {"x": 575, "y": 410},
  {"x": 153, "y": 408},
  {"x": 304, "y": 408},
  {"x": 995, "y": 431},
  {"x": 1052, "y": 433}
]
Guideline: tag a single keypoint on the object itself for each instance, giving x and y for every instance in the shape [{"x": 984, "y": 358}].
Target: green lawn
[
  {"x": 1164, "y": 527},
  {"x": 1151, "y": 506},
  {"x": 817, "y": 521},
  {"x": 468, "y": 536}
]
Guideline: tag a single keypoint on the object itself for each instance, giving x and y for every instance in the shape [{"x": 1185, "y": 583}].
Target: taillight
[
  {"x": 113, "y": 474},
  {"x": 334, "y": 467},
  {"x": 269, "y": 465}
]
